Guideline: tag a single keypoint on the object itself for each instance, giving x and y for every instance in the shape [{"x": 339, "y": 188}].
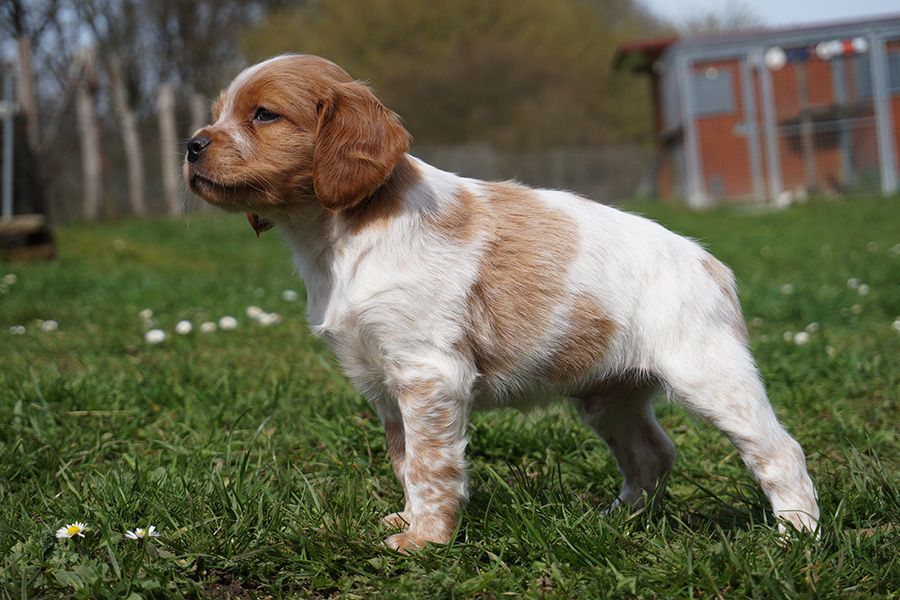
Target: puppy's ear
[{"x": 357, "y": 145}]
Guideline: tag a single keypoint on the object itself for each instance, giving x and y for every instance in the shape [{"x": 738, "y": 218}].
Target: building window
[
  {"x": 894, "y": 68},
  {"x": 713, "y": 93},
  {"x": 864, "y": 73}
]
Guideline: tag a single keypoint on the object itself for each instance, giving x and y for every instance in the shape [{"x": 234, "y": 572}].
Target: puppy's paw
[
  {"x": 398, "y": 520},
  {"x": 405, "y": 542}
]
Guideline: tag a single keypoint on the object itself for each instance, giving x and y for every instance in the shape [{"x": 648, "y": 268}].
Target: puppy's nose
[{"x": 195, "y": 146}]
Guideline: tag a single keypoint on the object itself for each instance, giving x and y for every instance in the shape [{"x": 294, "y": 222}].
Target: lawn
[{"x": 266, "y": 474}]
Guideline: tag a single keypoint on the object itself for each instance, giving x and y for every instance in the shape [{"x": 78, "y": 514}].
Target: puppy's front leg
[
  {"x": 396, "y": 445},
  {"x": 434, "y": 466}
]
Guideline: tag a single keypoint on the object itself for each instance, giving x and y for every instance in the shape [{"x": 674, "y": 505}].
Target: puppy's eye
[{"x": 263, "y": 115}]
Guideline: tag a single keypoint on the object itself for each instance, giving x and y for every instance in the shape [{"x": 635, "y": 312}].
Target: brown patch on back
[
  {"x": 584, "y": 344},
  {"x": 387, "y": 201},
  {"x": 459, "y": 219},
  {"x": 724, "y": 278},
  {"x": 520, "y": 279}
]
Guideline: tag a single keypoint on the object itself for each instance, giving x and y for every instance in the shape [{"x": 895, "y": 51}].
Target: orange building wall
[{"x": 723, "y": 152}]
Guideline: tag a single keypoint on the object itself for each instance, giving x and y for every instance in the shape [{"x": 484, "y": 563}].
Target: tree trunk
[
  {"x": 165, "y": 105},
  {"x": 130, "y": 138},
  {"x": 198, "y": 111},
  {"x": 89, "y": 127},
  {"x": 27, "y": 96}
]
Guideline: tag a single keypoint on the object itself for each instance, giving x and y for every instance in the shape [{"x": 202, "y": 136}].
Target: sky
[{"x": 777, "y": 12}]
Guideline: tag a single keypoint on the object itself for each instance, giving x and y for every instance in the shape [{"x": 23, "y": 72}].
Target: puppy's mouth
[
  {"x": 200, "y": 183},
  {"x": 211, "y": 190}
]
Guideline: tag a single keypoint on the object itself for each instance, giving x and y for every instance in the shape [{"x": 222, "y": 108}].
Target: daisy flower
[
  {"x": 183, "y": 327},
  {"x": 49, "y": 326},
  {"x": 254, "y": 312},
  {"x": 267, "y": 319},
  {"x": 208, "y": 327},
  {"x": 146, "y": 314},
  {"x": 17, "y": 330},
  {"x": 69, "y": 531},
  {"x": 289, "y": 295},
  {"x": 155, "y": 336},
  {"x": 141, "y": 533},
  {"x": 228, "y": 323}
]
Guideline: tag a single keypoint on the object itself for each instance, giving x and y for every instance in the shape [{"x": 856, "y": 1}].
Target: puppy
[{"x": 441, "y": 294}]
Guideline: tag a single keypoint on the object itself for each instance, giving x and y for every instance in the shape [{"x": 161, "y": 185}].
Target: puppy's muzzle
[{"x": 195, "y": 146}]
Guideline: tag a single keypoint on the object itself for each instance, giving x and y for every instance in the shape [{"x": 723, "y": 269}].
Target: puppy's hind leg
[
  {"x": 715, "y": 377},
  {"x": 621, "y": 412}
]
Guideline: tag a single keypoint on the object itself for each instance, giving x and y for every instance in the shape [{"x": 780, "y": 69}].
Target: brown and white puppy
[{"x": 440, "y": 294}]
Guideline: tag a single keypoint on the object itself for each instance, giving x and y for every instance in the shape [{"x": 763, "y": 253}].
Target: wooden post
[{"x": 165, "y": 106}]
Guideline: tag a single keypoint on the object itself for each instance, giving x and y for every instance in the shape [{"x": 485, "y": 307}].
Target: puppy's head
[{"x": 292, "y": 130}]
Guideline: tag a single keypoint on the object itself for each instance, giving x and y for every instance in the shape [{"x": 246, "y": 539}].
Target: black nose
[{"x": 195, "y": 146}]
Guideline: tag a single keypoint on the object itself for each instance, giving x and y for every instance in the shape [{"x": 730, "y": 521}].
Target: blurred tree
[
  {"x": 511, "y": 73},
  {"x": 731, "y": 16},
  {"x": 89, "y": 130},
  {"x": 114, "y": 24},
  {"x": 27, "y": 22}
]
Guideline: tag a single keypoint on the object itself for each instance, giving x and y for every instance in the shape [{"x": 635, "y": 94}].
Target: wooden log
[{"x": 26, "y": 238}]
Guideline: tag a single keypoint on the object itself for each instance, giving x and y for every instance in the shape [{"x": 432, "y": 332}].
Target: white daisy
[
  {"x": 228, "y": 323},
  {"x": 17, "y": 330},
  {"x": 254, "y": 312},
  {"x": 76, "y": 528},
  {"x": 141, "y": 533},
  {"x": 863, "y": 289},
  {"x": 49, "y": 326},
  {"x": 10, "y": 279},
  {"x": 788, "y": 336},
  {"x": 289, "y": 295},
  {"x": 146, "y": 314},
  {"x": 155, "y": 336},
  {"x": 183, "y": 327},
  {"x": 267, "y": 319},
  {"x": 207, "y": 327},
  {"x": 896, "y": 325},
  {"x": 801, "y": 338},
  {"x": 853, "y": 283},
  {"x": 812, "y": 327}
]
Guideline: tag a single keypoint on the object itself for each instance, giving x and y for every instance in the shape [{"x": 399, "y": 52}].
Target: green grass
[{"x": 266, "y": 473}]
